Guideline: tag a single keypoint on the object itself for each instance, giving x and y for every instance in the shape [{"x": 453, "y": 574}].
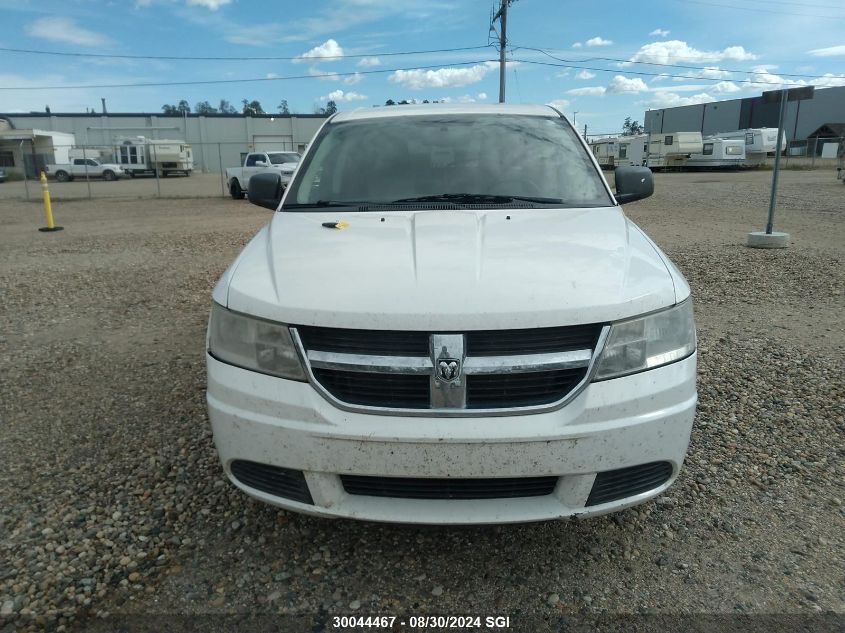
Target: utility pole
[{"x": 502, "y": 16}]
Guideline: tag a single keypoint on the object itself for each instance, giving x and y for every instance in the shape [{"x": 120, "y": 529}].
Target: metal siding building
[
  {"x": 802, "y": 118},
  {"x": 214, "y": 137}
]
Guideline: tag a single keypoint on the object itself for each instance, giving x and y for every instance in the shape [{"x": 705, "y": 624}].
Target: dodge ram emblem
[{"x": 448, "y": 369}]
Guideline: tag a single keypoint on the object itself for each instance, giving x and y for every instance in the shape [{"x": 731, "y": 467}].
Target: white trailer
[
  {"x": 605, "y": 150},
  {"x": 139, "y": 155},
  {"x": 631, "y": 150},
  {"x": 759, "y": 143},
  {"x": 719, "y": 153},
  {"x": 672, "y": 149}
]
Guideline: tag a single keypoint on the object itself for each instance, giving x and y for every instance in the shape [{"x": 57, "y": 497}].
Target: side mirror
[
  {"x": 265, "y": 190},
  {"x": 260, "y": 163},
  {"x": 632, "y": 183}
]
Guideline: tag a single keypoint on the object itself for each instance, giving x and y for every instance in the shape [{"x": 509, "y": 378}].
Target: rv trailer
[
  {"x": 672, "y": 149},
  {"x": 605, "y": 151},
  {"x": 138, "y": 155},
  {"x": 631, "y": 150},
  {"x": 759, "y": 143},
  {"x": 719, "y": 153}
]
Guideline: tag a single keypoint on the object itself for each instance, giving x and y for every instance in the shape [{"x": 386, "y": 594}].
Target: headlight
[
  {"x": 648, "y": 342},
  {"x": 255, "y": 344}
]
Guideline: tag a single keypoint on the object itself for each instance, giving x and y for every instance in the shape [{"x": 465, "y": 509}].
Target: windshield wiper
[{"x": 478, "y": 198}]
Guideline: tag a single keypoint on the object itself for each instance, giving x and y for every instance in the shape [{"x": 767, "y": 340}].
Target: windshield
[
  {"x": 467, "y": 158},
  {"x": 280, "y": 158}
]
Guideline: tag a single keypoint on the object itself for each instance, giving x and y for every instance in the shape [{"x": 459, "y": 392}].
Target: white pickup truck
[
  {"x": 85, "y": 168},
  {"x": 237, "y": 178},
  {"x": 450, "y": 319}
]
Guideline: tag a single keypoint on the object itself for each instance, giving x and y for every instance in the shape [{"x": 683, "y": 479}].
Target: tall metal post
[
  {"x": 25, "y": 179},
  {"x": 774, "y": 197},
  {"x": 220, "y": 161},
  {"x": 155, "y": 169}
]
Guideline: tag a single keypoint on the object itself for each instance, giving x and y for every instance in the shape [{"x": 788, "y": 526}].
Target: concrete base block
[{"x": 761, "y": 239}]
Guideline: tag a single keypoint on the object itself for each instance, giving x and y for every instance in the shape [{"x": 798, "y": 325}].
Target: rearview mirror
[
  {"x": 633, "y": 183},
  {"x": 265, "y": 190}
]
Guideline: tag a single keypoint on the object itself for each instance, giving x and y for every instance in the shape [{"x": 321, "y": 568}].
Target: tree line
[{"x": 248, "y": 107}]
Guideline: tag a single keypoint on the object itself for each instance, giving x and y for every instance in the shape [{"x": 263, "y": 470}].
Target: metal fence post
[
  {"x": 87, "y": 177},
  {"x": 155, "y": 169},
  {"x": 25, "y": 179},
  {"x": 222, "y": 179}
]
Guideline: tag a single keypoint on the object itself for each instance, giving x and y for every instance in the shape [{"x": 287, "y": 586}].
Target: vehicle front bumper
[{"x": 619, "y": 423}]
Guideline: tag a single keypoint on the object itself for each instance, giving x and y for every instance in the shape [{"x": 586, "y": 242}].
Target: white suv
[{"x": 449, "y": 319}]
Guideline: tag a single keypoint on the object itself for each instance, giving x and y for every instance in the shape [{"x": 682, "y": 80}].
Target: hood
[{"x": 449, "y": 270}]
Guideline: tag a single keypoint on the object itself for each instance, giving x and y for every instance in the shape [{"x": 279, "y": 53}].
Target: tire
[
  {"x": 188, "y": 174},
  {"x": 109, "y": 175},
  {"x": 165, "y": 174},
  {"x": 236, "y": 191},
  {"x": 131, "y": 174},
  {"x": 62, "y": 176}
]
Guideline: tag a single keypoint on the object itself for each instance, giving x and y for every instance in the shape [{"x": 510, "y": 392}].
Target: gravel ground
[{"x": 114, "y": 508}]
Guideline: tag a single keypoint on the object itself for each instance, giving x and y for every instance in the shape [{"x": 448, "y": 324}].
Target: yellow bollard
[{"x": 48, "y": 207}]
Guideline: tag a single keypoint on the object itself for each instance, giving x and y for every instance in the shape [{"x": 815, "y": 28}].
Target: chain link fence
[
  {"x": 815, "y": 152},
  {"x": 130, "y": 169}
]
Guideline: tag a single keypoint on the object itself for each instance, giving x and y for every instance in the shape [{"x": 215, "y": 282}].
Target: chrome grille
[{"x": 473, "y": 373}]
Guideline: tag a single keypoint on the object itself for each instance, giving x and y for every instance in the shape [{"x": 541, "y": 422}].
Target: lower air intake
[
  {"x": 274, "y": 480},
  {"x": 612, "y": 485},
  {"x": 413, "y": 488}
]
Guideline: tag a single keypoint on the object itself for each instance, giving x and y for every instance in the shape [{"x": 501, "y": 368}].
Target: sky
[{"x": 598, "y": 62}]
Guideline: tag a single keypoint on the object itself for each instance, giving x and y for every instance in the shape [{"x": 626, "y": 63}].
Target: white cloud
[
  {"x": 577, "y": 45},
  {"x": 61, "y": 29},
  {"x": 620, "y": 84},
  {"x": 660, "y": 77},
  {"x": 713, "y": 72},
  {"x": 560, "y": 104},
  {"x": 442, "y": 77},
  {"x": 482, "y": 96},
  {"x": 369, "y": 62},
  {"x": 272, "y": 76},
  {"x": 671, "y": 100},
  {"x": 830, "y": 51},
  {"x": 674, "y": 51},
  {"x": 589, "y": 91},
  {"x": 353, "y": 79},
  {"x": 584, "y": 74},
  {"x": 828, "y": 80},
  {"x": 598, "y": 41},
  {"x": 328, "y": 75},
  {"x": 213, "y": 5},
  {"x": 724, "y": 87},
  {"x": 340, "y": 95},
  {"x": 324, "y": 52},
  {"x": 659, "y": 33}
]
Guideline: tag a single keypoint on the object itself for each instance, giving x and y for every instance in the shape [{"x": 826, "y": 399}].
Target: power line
[
  {"x": 798, "y": 4},
  {"x": 211, "y": 58},
  {"x": 238, "y": 81},
  {"x": 630, "y": 61},
  {"x": 635, "y": 72},
  {"x": 801, "y": 15}
]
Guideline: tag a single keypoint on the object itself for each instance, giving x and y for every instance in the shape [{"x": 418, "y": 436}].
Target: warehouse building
[
  {"x": 217, "y": 140},
  {"x": 803, "y": 119}
]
